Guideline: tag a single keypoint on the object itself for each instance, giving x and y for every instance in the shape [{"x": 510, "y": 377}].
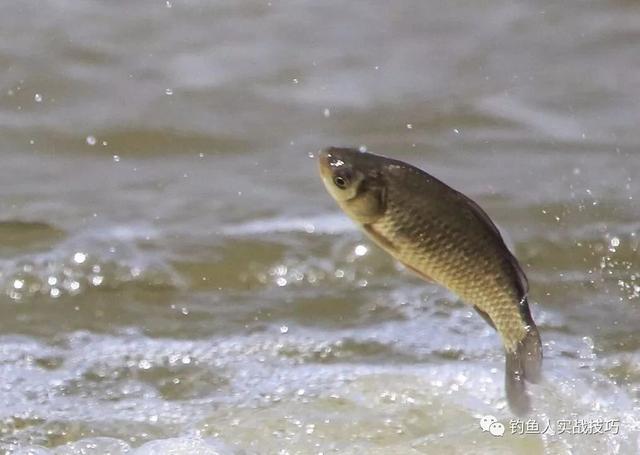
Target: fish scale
[{"x": 444, "y": 254}]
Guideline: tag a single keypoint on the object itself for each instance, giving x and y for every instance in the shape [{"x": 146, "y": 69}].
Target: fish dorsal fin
[
  {"x": 522, "y": 278},
  {"x": 482, "y": 216}
]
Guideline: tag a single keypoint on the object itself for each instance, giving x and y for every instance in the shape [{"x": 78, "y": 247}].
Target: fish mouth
[
  {"x": 326, "y": 162},
  {"x": 331, "y": 158}
]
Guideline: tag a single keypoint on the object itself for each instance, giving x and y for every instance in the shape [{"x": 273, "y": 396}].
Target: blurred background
[{"x": 175, "y": 279}]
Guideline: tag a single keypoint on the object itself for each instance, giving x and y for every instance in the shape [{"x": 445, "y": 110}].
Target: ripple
[
  {"x": 107, "y": 258},
  {"x": 332, "y": 223},
  {"x": 20, "y": 236}
]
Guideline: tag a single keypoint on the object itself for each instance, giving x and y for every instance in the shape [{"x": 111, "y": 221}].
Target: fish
[{"x": 446, "y": 238}]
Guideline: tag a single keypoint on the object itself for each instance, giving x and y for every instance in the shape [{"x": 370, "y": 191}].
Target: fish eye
[{"x": 341, "y": 181}]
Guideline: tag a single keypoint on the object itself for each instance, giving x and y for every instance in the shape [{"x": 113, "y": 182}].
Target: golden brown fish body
[{"x": 444, "y": 237}]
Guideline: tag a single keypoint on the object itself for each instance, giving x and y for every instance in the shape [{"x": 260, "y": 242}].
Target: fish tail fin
[
  {"x": 523, "y": 364},
  {"x": 530, "y": 351},
  {"x": 514, "y": 385}
]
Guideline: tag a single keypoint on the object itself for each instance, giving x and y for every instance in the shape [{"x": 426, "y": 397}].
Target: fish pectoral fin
[
  {"x": 485, "y": 316},
  {"x": 422, "y": 275},
  {"x": 379, "y": 238}
]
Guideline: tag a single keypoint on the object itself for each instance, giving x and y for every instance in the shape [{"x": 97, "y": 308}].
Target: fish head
[{"x": 355, "y": 180}]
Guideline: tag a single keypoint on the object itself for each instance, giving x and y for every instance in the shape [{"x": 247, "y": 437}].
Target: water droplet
[
  {"x": 116, "y": 158},
  {"x": 168, "y": 4},
  {"x": 456, "y": 130},
  {"x": 326, "y": 112},
  {"x": 18, "y": 284},
  {"x": 409, "y": 126},
  {"x": 284, "y": 329},
  {"x": 52, "y": 280},
  {"x": 201, "y": 155},
  {"x": 168, "y": 91},
  {"x": 32, "y": 142},
  {"x": 615, "y": 242},
  {"x": 311, "y": 155},
  {"x": 79, "y": 257},
  {"x": 91, "y": 140},
  {"x": 55, "y": 292},
  {"x": 362, "y": 148},
  {"x": 105, "y": 143},
  {"x": 281, "y": 281},
  {"x": 38, "y": 98},
  {"x": 295, "y": 80},
  {"x": 361, "y": 250}
]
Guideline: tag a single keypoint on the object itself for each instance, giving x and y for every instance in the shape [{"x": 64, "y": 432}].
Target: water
[{"x": 174, "y": 278}]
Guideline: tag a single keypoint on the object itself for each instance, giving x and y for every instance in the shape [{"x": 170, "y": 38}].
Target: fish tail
[
  {"x": 524, "y": 363},
  {"x": 530, "y": 351}
]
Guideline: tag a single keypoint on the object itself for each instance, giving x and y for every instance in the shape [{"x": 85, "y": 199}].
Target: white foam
[{"x": 184, "y": 446}]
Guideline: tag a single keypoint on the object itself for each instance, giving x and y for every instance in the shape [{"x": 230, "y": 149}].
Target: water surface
[{"x": 174, "y": 278}]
